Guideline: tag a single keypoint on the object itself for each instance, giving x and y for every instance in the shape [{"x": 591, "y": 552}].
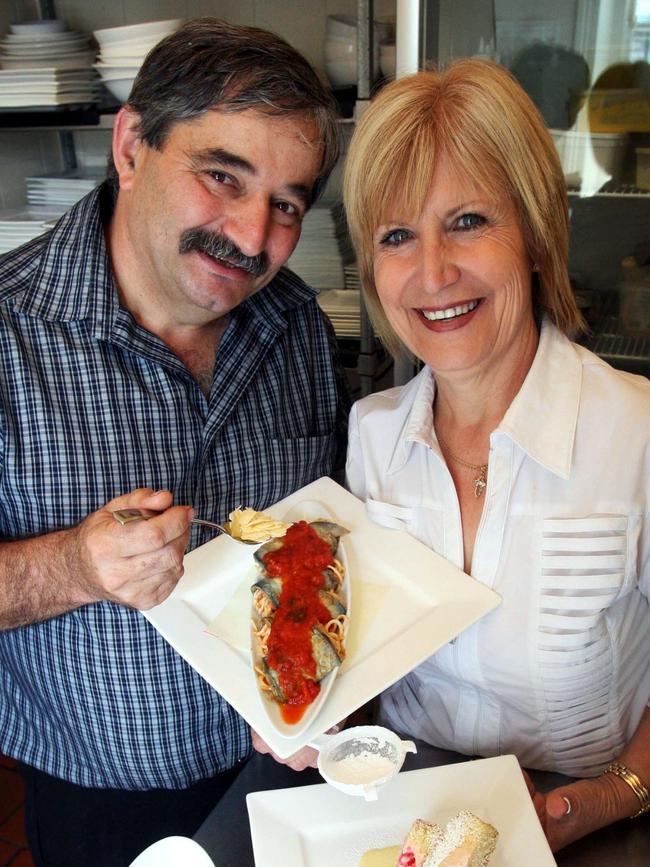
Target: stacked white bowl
[
  {"x": 122, "y": 50},
  {"x": 387, "y": 59},
  {"x": 341, "y": 48}
]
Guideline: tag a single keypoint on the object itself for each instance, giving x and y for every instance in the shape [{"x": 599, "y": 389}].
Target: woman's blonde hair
[{"x": 477, "y": 116}]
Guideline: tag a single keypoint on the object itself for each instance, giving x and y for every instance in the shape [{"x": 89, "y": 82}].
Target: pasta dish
[{"x": 299, "y": 615}]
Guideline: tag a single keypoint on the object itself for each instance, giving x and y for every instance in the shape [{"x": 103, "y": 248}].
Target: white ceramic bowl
[
  {"x": 345, "y": 52},
  {"x": 341, "y": 73},
  {"x": 387, "y": 60},
  {"x": 342, "y": 26},
  {"x": 137, "y": 31},
  {"x": 384, "y": 31},
  {"x": 46, "y": 25},
  {"x": 340, "y": 50},
  {"x": 119, "y": 87},
  {"x": 121, "y": 59},
  {"x": 345, "y": 27},
  {"x": 135, "y": 46},
  {"x": 110, "y": 73}
]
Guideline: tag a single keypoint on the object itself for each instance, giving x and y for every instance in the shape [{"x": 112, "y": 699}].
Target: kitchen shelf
[
  {"x": 617, "y": 191},
  {"x": 619, "y": 349},
  {"x": 80, "y": 117}
]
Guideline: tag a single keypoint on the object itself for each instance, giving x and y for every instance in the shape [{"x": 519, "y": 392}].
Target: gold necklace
[{"x": 480, "y": 482}]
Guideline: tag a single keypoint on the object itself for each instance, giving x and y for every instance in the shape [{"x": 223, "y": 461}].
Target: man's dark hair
[{"x": 208, "y": 64}]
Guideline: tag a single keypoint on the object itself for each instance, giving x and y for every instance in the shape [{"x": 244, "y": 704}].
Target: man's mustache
[{"x": 222, "y": 248}]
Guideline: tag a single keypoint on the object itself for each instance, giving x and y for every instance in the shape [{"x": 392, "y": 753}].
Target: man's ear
[{"x": 126, "y": 145}]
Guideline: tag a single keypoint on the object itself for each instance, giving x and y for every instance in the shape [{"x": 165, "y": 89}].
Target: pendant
[{"x": 480, "y": 483}]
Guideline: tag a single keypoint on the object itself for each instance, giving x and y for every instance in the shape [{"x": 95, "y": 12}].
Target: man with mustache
[{"x": 157, "y": 356}]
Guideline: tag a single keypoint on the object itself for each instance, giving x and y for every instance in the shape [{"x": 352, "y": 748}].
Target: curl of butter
[{"x": 246, "y": 523}]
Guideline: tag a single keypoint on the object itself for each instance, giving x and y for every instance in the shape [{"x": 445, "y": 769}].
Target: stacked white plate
[
  {"x": 22, "y": 224},
  {"x": 317, "y": 258},
  {"x": 122, "y": 50},
  {"x": 343, "y": 308},
  {"x": 46, "y": 87},
  {"x": 352, "y": 279},
  {"x": 62, "y": 189},
  {"x": 45, "y": 44}
]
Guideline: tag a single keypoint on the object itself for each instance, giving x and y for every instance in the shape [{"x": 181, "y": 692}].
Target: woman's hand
[
  {"x": 571, "y": 812},
  {"x": 307, "y": 757}
]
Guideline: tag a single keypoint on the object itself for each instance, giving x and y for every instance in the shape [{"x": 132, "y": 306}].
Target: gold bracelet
[{"x": 635, "y": 783}]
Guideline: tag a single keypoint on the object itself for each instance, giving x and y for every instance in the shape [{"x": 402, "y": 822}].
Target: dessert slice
[
  {"x": 467, "y": 841},
  {"x": 421, "y": 838}
]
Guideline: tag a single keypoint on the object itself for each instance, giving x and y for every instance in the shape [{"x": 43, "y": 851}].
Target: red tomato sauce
[{"x": 300, "y": 563}]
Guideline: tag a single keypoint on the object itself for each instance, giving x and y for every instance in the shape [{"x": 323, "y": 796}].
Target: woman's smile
[{"x": 450, "y": 314}]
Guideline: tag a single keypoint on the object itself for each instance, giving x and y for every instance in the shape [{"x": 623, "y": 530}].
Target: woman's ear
[{"x": 126, "y": 145}]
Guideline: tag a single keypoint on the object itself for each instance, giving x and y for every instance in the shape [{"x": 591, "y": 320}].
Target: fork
[{"x": 127, "y": 516}]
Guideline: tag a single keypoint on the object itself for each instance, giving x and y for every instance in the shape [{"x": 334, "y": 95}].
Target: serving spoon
[{"x": 127, "y": 516}]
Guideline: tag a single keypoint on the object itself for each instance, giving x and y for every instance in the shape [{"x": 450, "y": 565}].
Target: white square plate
[
  {"x": 407, "y": 601},
  {"x": 318, "y": 826}
]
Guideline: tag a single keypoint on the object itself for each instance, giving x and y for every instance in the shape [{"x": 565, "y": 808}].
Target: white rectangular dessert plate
[{"x": 318, "y": 826}]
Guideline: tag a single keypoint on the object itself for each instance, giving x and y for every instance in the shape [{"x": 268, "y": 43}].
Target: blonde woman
[{"x": 515, "y": 453}]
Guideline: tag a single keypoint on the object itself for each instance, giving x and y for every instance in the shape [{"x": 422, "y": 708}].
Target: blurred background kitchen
[{"x": 67, "y": 66}]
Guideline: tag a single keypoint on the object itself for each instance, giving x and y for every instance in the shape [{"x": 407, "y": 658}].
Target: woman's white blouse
[{"x": 559, "y": 673}]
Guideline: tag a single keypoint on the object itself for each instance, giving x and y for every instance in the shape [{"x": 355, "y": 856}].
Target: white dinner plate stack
[
  {"x": 122, "y": 50},
  {"x": 318, "y": 258},
  {"x": 62, "y": 189},
  {"x": 45, "y": 44},
  {"x": 44, "y": 65},
  {"x": 343, "y": 308},
  {"x": 352, "y": 279},
  {"x": 22, "y": 224}
]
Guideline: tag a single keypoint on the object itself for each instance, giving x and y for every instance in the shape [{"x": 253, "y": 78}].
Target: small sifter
[{"x": 361, "y": 759}]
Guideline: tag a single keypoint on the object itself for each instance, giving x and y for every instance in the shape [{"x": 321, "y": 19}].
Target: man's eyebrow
[
  {"x": 301, "y": 192},
  {"x": 222, "y": 157}
]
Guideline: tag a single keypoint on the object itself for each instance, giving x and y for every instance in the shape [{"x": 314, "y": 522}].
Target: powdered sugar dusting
[{"x": 364, "y": 767}]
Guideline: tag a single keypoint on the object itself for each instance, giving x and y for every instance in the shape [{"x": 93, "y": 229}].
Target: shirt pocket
[
  {"x": 422, "y": 522},
  {"x": 591, "y": 560}
]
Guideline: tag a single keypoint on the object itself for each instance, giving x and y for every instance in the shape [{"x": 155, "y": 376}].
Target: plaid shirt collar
[{"x": 68, "y": 277}]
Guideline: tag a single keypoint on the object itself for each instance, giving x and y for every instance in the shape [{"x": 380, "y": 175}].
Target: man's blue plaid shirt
[{"x": 93, "y": 406}]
